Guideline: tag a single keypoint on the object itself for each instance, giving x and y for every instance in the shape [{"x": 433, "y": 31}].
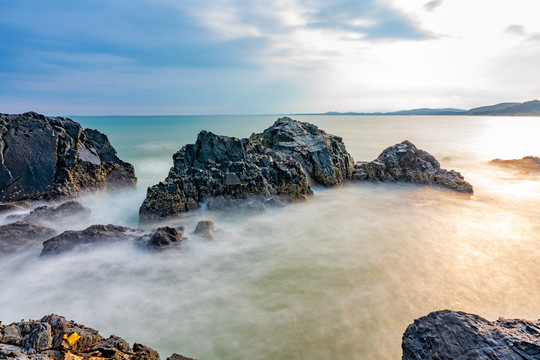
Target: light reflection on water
[{"x": 339, "y": 276}]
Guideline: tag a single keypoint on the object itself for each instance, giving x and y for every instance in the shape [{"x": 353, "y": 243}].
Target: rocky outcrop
[
  {"x": 528, "y": 164},
  {"x": 225, "y": 171},
  {"x": 404, "y": 162},
  {"x": 47, "y": 157},
  {"x": 457, "y": 335},
  {"x": 89, "y": 238},
  {"x": 54, "y": 338},
  {"x": 322, "y": 156},
  {"x": 21, "y": 235}
]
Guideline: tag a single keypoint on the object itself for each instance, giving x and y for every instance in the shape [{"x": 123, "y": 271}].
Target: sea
[{"x": 339, "y": 276}]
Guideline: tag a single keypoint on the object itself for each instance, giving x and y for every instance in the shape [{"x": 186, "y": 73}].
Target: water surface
[{"x": 339, "y": 276}]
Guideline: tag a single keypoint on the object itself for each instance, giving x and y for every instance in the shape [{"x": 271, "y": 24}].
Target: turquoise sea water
[{"x": 337, "y": 277}]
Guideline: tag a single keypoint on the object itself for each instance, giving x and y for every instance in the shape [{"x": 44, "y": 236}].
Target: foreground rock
[
  {"x": 54, "y": 338},
  {"x": 527, "y": 164},
  {"x": 226, "y": 171},
  {"x": 404, "y": 162},
  {"x": 456, "y": 335},
  {"x": 47, "y": 157},
  {"x": 22, "y": 235}
]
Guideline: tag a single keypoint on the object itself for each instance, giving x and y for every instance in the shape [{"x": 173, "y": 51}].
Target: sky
[{"x": 181, "y": 57}]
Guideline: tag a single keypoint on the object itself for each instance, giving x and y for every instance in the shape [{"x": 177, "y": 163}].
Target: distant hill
[
  {"x": 509, "y": 109},
  {"x": 487, "y": 110},
  {"x": 529, "y": 108}
]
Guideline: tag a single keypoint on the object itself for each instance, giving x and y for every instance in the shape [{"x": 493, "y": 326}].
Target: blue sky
[{"x": 251, "y": 57}]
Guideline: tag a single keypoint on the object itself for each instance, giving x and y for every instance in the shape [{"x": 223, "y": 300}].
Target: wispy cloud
[
  {"x": 515, "y": 29},
  {"x": 432, "y": 5}
]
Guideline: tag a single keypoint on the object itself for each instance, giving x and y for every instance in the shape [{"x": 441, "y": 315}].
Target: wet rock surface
[
  {"x": 55, "y": 338},
  {"x": 226, "y": 171},
  {"x": 450, "y": 334},
  {"x": 404, "y": 162},
  {"x": 48, "y": 157},
  {"x": 22, "y": 235}
]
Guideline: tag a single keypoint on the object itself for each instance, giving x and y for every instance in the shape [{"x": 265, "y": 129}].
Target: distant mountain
[
  {"x": 487, "y": 110},
  {"x": 528, "y": 108},
  {"x": 423, "y": 111},
  {"x": 509, "y": 109},
  {"x": 426, "y": 111}
]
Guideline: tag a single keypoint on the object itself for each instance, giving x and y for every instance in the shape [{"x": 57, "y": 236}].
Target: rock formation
[
  {"x": 205, "y": 229},
  {"x": 55, "y": 338},
  {"x": 457, "y": 335},
  {"x": 404, "y": 162},
  {"x": 21, "y": 235},
  {"x": 225, "y": 171},
  {"x": 47, "y": 157}
]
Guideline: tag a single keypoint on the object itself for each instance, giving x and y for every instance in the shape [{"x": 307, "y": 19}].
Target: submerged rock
[
  {"x": 47, "y": 157},
  {"x": 99, "y": 235},
  {"x": 164, "y": 238},
  {"x": 22, "y": 234},
  {"x": 226, "y": 171},
  {"x": 54, "y": 338},
  {"x": 404, "y": 162},
  {"x": 205, "y": 229},
  {"x": 63, "y": 212},
  {"x": 457, "y": 335},
  {"x": 87, "y": 238},
  {"x": 525, "y": 165}
]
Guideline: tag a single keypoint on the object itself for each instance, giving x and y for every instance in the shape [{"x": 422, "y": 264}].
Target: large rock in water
[
  {"x": 53, "y": 338},
  {"x": 404, "y": 162},
  {"x": 225, "y": 171},
  {"x": 46, "y": 157},
  {"x": 456, "y": 335}
]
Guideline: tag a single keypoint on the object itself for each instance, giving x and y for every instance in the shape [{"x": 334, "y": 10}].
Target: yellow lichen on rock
[{"x": 72, "y": 339}]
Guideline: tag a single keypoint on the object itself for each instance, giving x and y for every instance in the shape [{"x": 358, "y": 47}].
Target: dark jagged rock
[
  {"x": 226, "y": 171},
  {"x": 323, "y": 156},
  {"x": 55, "y": 338},
  {"x": 205, "y": 229},
  {"x": 164, "y": 238},
  {"x": 404, "y": 162},
  {"x": 457, "y": 335},
  {"x": 527, "y": 164},
  {"x": 22, "y": 234},
  {"x": 61, "y": 212},
  {"x": 88, "y": 238},
  {"x": 47, "y": 157}
]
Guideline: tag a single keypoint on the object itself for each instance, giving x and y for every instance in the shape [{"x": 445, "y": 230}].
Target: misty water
[{"x": 339, "y": 276}]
